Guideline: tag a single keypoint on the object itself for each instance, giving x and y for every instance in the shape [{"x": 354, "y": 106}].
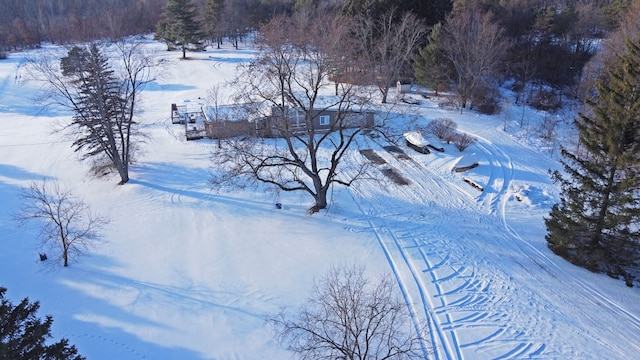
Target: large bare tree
[
  {"x": 389, "y": 44},
  {"x": 475, "y": 45},
  {"x": 349, "y": 317},
  {"x": 290, "y": 79},
  {"x": 67, "y": 225},
  {"x": 103, "y": 93}
]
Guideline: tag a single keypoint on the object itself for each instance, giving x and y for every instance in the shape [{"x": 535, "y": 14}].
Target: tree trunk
[
  {"x": 600, "y": 222},
  {"x": 321, "y": 201},
  {"x": 123, "y": 170},
  {"x": 385, "y": 91}
]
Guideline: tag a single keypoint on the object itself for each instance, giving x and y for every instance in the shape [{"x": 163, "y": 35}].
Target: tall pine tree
[
  {"x": 431, "y": 66},
  {"x": 597, "y": 222},
  {"x": 180, "y": 28},
  {"x": 213, "y": 10},
  {"x": 103, "y": 107},
  {"x": 23, "y": 336}
]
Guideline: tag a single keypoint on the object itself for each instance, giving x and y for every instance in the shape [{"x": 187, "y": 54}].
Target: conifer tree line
[{"x": 24, "y": 335}]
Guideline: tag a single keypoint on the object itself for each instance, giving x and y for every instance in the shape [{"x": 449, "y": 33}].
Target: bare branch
[
  {"x": 349, "y": 317},
  {"x": 305, "y": 133},
  {"x": 66, "y": 223}
]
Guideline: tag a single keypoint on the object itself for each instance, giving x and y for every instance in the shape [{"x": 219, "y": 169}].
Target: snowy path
[
  {"x": 471, "y": 306},
  {"x": 451, "y": 298}
]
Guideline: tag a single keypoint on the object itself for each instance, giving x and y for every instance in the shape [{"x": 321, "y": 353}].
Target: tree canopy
[
  {"x": 25, "y": 336},
  {"x": 595, "y": 225},
  {"x": 180, "y": 28}
]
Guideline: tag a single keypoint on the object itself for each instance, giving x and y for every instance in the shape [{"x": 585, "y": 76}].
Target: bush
[
  {"x": 545, "y": 100},
  {"x": 485, "y": 99},
  {"x": 3, "y": 55},
  {"x": 463, "y": 141},
  {"x": 443, "y": 128},
  {"x": 488, "y": 106}
]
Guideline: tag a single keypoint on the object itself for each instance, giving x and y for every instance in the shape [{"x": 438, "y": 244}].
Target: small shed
[{"x": 404, "y": 86}]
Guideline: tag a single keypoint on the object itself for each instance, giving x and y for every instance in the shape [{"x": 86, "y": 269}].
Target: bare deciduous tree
[
  {"x": 66, "y": 223},
  {"x": 104, "y": 99},
  {"x": 389, "y": 44},
  {"x": 475, "y": 45},
  {"x": 290, "y": 79},
  {"x": 349, "y": 317}
]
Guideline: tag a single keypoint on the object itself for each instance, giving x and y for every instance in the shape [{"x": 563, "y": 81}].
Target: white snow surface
[
  {"x": 416, "y": 138},
  {"x": 186, "y": 273}
]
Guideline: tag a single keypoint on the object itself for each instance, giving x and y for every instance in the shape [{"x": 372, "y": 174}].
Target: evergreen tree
[
  {"x": 180, "y": 28},
  {"x": 431, "y": 66},
  {"x": 103, "y": 101},
  {"x": 23, "y": 336},
  {"x": 100, "y": 109},
  {"x": 596, "y": 223},
  {"x": 212, "y": 15}
]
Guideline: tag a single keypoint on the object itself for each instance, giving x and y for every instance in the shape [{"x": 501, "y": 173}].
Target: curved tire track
[{"x": 438, "y": 286}]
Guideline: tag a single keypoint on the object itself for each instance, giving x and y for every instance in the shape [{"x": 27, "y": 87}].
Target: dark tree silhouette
[
  {"x": 595, "y": 225},
  {"x": 180, "y": 28},
  {"x": 24, "y": 336}
]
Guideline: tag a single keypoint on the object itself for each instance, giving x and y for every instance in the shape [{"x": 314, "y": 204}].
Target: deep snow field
[{"x": 186, "y": 273}]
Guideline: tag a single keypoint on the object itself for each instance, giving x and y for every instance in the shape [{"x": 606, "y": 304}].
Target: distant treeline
[
  {"x": 551, "y": 40},
  {"x": 27, "y": 23}
]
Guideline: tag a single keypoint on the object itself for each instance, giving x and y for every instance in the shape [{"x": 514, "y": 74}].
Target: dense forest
[{"x": 549, "y": 41}]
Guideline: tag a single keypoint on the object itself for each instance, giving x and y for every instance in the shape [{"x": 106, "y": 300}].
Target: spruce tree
[
  {"x": 597, "y": 222},
  {"x": 101, "y": 111},
  {"x": 431, "y": 66},
  {"x": 212, "y": 14},
  {"x": 180, "y": 28},
  {"x": 23, "y": 336}
]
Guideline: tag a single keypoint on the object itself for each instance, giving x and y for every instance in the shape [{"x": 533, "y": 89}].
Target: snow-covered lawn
[{"x": 187, "y": 273}]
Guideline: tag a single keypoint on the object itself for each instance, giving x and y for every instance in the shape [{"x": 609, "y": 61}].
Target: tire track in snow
[
  {"x": 496, "y": 192},
  {"x": 445, "y": 291},
  {"x": 501, "y": 163},
  {"x": 502, "y": 174}
]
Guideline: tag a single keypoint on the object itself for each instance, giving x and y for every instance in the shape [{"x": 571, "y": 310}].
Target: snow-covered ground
[{"x": 187, "y": 273}]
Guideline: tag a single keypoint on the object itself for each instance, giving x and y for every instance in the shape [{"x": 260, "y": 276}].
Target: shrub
[
  {"x": 485, "y": 99},
  {"x": 463, "y": 141},
  {"x": 545, "y": 100},
  {"x": 3, "y": 55},
  {"x": 443, "y": 128}
]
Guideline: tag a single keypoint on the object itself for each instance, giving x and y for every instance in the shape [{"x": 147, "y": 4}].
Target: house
[
  {"x": 226, "y": 121},
  {"x": 322, "y": 120}
]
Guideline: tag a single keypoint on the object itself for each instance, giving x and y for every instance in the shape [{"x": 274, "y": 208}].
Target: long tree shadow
[
  {"x": 193, "y": 183},
  {"x": 108, "y": 317}
]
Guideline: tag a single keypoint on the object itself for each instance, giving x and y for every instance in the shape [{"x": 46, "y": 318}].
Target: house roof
[{"x": 233, "y": 112}]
